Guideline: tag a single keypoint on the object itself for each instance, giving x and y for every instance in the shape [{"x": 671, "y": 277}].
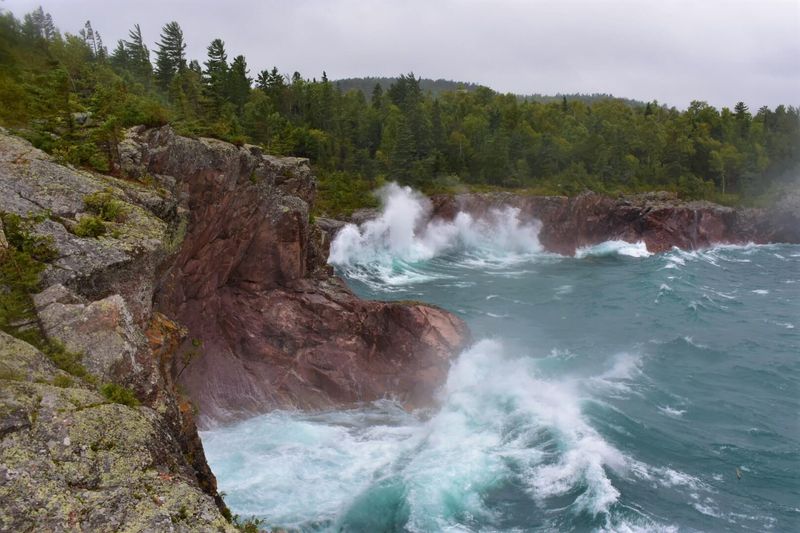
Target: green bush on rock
[
  {"x": 119, "y": 394},
  {"x": 89, "y": 226}
]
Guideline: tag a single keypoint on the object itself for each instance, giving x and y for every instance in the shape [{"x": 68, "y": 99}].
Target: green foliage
[
  {"x": 339, "y": 194},
  {"x": 19, "y": 236},
  {"x": 62, "y": 381},
  {"x": 104, "y": 205},
  {"x": 89, "y": 227},
  {"x": 249, "y": 525},
  {"x": 119, "y": 394},
  {"x": 435, "y": 135},
  {"x": 67, "y": 361},
  {"x": 20, "y": 267}
]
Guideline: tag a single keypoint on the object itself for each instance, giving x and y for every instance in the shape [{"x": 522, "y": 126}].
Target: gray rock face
[
  {"x": 70, "y": 459},
  {"x": 217, "y": 237},
  {"x": 103, "y": 331}
]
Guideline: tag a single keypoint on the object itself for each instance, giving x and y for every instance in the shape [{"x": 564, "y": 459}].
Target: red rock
[
  {"x": 250, "y": 283},
  {"x": 659, "y": 219}
]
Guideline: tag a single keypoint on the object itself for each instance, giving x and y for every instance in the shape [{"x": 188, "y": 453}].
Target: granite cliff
[{"x": 192, "y": 287}]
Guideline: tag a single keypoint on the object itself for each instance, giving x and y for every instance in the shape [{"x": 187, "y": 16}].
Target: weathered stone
[
  {"x": 661, "y": 220},
  {"x": 103, "y": 331},
  {"x": 69, "y": 460},
  {"x": 250, "y": 319},
  {"x": 3, "y": 241},
  {"x": 251, "y": 283}
]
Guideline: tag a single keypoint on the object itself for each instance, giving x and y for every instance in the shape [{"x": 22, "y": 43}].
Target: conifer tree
[
  {"x": 239, "y": 84},
  {"x": 170, "y": 57},
  {"x": 215, "y": 75}
]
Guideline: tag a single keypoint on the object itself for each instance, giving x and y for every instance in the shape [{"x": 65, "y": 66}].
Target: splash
[
  {"x": 610, "y": 248},
  {"x": 500, "y": 424},
  {"x": 389, "y": 249}
]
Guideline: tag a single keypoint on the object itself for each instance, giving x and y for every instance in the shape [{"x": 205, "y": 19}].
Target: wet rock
[
  {"x": 268, "y": 324},
  {"x": 659, "y": 219}
]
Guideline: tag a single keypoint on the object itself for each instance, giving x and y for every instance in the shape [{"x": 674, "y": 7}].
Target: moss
[
  {"x": 10, "y": 375},
  {"x": 175, "y": 240},
  {"x": 119, "y": 394}
]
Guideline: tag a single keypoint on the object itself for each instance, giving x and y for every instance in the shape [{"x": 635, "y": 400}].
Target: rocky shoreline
[
  {"x": 660, "y": 219},
  {"x": 203, "y": 290}
]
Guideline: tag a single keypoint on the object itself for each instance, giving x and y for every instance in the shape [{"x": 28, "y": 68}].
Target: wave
[
  {"x": 500, "y": 426},
  {"x": 610, "y": 248},
  {"x": 389, "y": 247}
]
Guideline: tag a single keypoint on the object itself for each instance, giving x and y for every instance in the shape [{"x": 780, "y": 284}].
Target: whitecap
[
  {"x": 611, "y": 248},
  {"x": 403, "y": 237},
  {"x": 671, "y": 411}
]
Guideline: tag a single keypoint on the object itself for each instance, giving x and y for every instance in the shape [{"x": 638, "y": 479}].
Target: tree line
[{"x": 72, "y": 97}]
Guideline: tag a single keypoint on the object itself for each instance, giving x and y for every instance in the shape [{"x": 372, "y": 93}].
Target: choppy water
[{"x": 616, "y": 390}]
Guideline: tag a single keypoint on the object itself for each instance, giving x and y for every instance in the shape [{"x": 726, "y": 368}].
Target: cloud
[{"x": 674, "y": 51}]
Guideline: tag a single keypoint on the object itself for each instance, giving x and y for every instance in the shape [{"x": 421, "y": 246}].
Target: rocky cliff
[
  {"x": 271, "y": 326},
  {"x": 661, "y": 220},
  {"x": 192, "y": 285}
]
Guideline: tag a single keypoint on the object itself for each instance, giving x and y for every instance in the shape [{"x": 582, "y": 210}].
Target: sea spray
[
  {"x": 598, "y": 399},
  {"x": 387, "y": 247}
]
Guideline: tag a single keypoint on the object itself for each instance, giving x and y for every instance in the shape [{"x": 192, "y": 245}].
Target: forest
[{"x": 73, "y": 96}]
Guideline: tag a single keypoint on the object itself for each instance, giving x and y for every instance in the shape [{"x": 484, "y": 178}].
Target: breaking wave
[{"x": 389, "y": 248}]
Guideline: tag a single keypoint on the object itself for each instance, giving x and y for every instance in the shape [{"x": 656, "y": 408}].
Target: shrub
[
  {"x": 90, "y": 226},
  {"x": 119, "y": 394},
  {"x": 38, "y": 247},
  {"x": 62, "y": 381},
  {"x": 104, "y": 205}
]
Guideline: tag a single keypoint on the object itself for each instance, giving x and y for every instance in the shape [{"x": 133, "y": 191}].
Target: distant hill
[{"x": 436, "y": 87}]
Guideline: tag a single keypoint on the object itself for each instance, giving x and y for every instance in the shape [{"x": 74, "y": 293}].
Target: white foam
[
  {"x": 671, "y": 411},
  {"x": 609, "y": 248},
  {"x": 385, "y": 248},
  {"x": 498, "y": 420}
]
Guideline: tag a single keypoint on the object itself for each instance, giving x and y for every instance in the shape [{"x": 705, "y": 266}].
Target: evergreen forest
[{"x": 72, "y": 95}]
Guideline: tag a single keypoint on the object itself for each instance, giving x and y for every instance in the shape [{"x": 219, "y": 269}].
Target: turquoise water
[{"x": 616, "y": 390}]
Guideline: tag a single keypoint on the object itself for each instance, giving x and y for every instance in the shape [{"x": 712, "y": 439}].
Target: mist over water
[{"x": 616, "y": 390}]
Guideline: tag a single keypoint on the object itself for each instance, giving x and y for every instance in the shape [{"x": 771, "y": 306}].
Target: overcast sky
[{"x": 675, "y": 51}]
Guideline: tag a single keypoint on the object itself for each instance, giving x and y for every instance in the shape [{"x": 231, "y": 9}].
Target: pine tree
[
  {"x": 215, "y": 75},
  {"x": 170, "y": 58},
  {"x": 93, "y": 41},
  {"x": 239, "y": 84},
  {"x": 139, "y": 56}
]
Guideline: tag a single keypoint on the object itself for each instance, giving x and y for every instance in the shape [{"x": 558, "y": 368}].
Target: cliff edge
[{"x": 192, "y": 287}]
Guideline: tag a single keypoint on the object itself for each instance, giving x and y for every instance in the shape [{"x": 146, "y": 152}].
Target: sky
[{"x": 673, "y": 51}]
